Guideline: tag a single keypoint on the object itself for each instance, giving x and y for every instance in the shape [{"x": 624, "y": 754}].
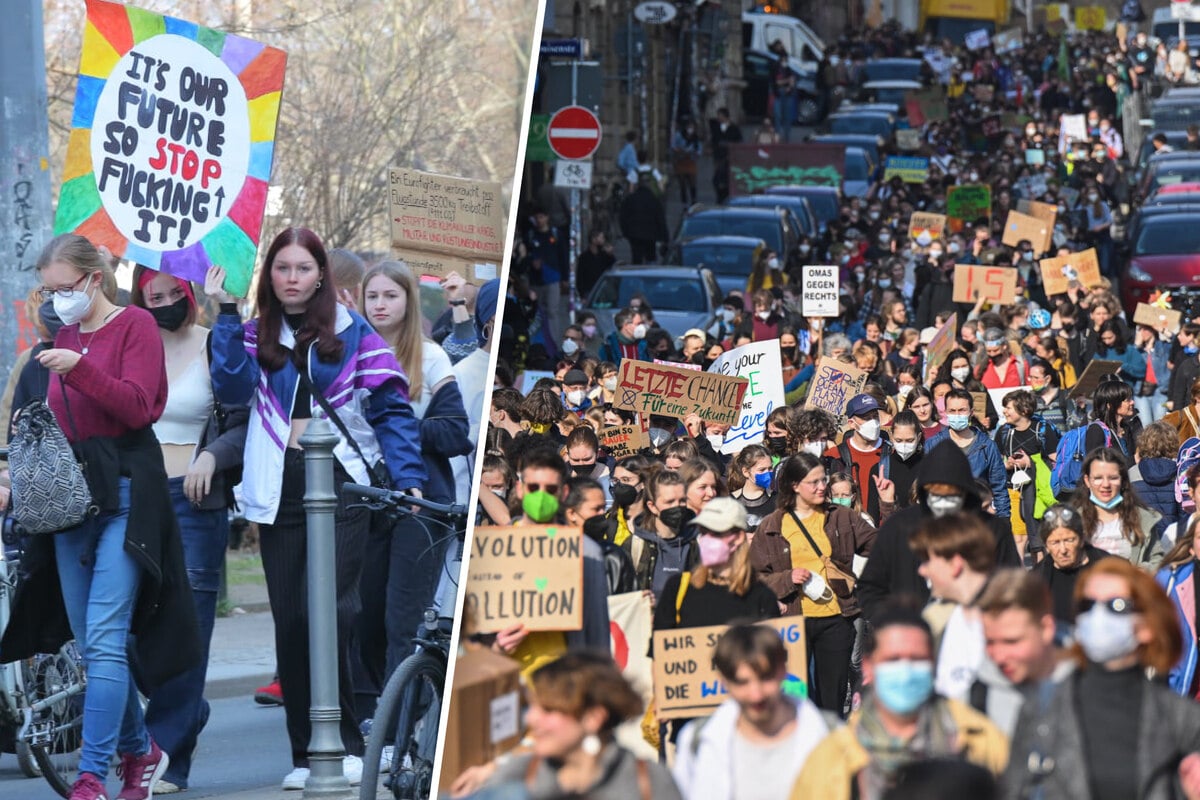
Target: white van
[{"x": 760, "y": 29}]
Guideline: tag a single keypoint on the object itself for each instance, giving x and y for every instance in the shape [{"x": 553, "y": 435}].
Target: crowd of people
[
  {"x": 994, "y": 563},
  {"x": 168, "y": 415}
]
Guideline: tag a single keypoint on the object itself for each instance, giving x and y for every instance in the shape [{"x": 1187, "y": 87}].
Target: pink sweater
[{"x": 120, "y": 385}]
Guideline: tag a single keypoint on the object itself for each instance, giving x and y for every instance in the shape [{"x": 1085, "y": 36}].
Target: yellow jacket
[{"x": 839, "y": 757}]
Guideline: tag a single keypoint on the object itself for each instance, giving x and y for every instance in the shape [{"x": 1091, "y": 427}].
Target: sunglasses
[
  {"x": 549, "y": 488},
  {"x": 1117, "y": 605}
]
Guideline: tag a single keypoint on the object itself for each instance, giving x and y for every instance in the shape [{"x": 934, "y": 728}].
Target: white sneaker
[
  {"x": 385, "y": 758},
  {"x": 295, "y": 780},
  {"x": 352, "y": 768}
]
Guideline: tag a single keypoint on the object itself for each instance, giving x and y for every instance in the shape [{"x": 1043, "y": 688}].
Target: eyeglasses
[
  {"x": 549, "y": 488},
  {"x": 815, "y": 482},
  {"x": 67, "y": 291},
  {"x": 1117, "y": 605},
  {"x": 1059, "y": 514}
]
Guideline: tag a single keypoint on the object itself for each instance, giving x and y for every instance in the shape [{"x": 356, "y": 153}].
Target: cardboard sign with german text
[
  {"x": 1057, "y": 273},
  {"x": 529, "y": 575},
  {"x": 967, "y": 203},
  {"x": 674, "y": 392},
  {"x": 1158, "y": 318},
  {"x": 925, "y": 222},
  {"x": 622, "y": 441},
  {"x": 997, "y": 285},
  {"x": 446, "y": 217},
  {"x": 687, "y": 685},
  {"x": 833, "y": 386},
  {"x": 1093, "y": 373},
  {"x": 819, "y": 291}
]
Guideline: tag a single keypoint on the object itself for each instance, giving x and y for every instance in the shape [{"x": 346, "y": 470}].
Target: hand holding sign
[{"x": 214, "y": 285}]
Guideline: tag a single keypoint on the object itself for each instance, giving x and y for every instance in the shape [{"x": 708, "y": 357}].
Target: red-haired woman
[{"x": 301, "y": 330}]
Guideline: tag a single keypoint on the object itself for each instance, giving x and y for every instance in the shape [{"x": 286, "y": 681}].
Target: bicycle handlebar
[{"x": 392, "y": 498}]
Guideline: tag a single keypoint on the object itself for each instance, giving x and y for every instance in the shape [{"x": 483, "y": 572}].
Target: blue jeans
[
  {"x": 1150, "y": 409},
  {"x": 99, "y": 587},
  {"x": 177, "y": 709},
  {"x": 785, "y": 115}
]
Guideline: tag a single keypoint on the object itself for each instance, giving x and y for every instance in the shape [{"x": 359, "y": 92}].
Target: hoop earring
[{"x": 318, "y": 284}]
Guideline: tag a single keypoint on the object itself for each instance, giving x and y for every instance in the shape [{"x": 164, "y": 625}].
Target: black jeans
[
  {"x": 284, "y": 547},
  {"x": 830, "y": 643}
]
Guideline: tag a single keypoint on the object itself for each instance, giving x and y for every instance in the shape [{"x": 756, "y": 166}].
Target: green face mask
[
  {"x": 539, "y": 506},
  {"x": 842, "y": 501}
]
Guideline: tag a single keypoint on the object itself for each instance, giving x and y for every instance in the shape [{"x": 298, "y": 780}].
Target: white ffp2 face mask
[
  {"x": 869, "y": 430},
  {"x": 75, "y": 306}
]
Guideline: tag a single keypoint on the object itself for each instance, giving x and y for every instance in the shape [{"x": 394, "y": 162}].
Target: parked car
[
  {"x": 872, "y": 144},
  {"x": 890, "y": 94},
  {"x": 772, "y": 225},
  {"x": 1176, "y": 139},
  {"x": 1165, "y": 169},
  {"x": 1163, "y": 253},
  {"x": 730, "y": 258},
  {"x": 1174, "y": 112},
  {"x": 799, "y": 206},
  {"x": 758, "y": 69},
  {"x": 860, "y": 172},
  {"x": 826, "y": 201},
  {"x": 892, "y": 69},
  {"x": 681, "y": 297},
  {"x": 863, "y": 120}
]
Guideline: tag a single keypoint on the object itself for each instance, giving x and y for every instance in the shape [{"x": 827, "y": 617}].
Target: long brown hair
[
  {"x": 408, "y": 348},
  {"x": 320, "y": 315},
  {"x": 741, "y": 571},
  {"x": 1152, "y": 603},
  {"x": 1131, "y": 505}
]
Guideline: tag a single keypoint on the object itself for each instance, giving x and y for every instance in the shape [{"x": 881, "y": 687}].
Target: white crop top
[{"x": 189, "y": 404}]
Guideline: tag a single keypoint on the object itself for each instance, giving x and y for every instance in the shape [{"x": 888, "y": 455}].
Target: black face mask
[
  {"x": 623, "y": 494},
  {"x": 596, "y": 528},
  {"x": 172, "y": 317},
  {"x": 777, "y": 445},
  {"x": 583, "y": 469},
  {"x": 49, "y": 318},
  {"x": 677, "y": 518}
]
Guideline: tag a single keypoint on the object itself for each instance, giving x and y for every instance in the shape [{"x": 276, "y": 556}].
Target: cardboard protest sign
[
  {"x": 1158, "y": 318},
  {"x": 819, "y": 291},
  {"x": 681, "y": 364},
  {"x": 526, "y": 574},
  {"x": 908, "y": 139},
  {"x": 1028, "y": 187},
  {"x": 1035, "y": 156},
  {"x": 1046, "y": 212},
  {"x": 910, "y": 169},
  {"x": 1009, "y": 40},
  {"x": 941, "y": 346},
  {"x": 1093, "y": 373},
  {"x": 1057, "y": 273},
  {"x": 753, "y": 168},
  {"x": 444, "y": 223},
  {"x": 997, "y": 397},
  {"x": 529, "y": 377},
  {"x": 171, "y": 143},
  {"x": 761, "y": 364},
  {"x": 1020, "y": 226},
  {"x": 1071, "y": 128},
  {"x": 623, "y": 441},
  {"x": 968, "y": 203},
  {"x": 833, "y": 385},
  {"x": 979, "y": 404},
  {"x": 997, "y": 285},
  {"x": 687, "y": 685},
  {"x": 631, "y": 623},
  {"x": 1090, "y": 18},
  {"x": 925, "y": 105},
  {"x": 676, "y": 392},
  {"x": 925, "y": 222}
]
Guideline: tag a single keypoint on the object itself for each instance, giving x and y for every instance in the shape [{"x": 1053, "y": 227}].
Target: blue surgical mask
[
  {"x": 903, "y": 686},
  {"x": 885, "y": 283},
  {"x": 1105, "y": 635},
  {"x": 1110, "y": 505},
  {"x": 763, "y": 481},
  {"x": 958, "y": 422}
]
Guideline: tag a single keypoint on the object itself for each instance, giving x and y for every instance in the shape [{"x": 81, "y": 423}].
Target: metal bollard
[{"x": 325, "y": 751}]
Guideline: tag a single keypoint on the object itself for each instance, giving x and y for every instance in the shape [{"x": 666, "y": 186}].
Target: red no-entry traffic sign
[{"x": 573, "y": 133}]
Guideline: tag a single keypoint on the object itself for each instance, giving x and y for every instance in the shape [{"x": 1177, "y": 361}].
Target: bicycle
[
  {"x": 410, "y": 705},
  {"x": 41, "y": 699}
]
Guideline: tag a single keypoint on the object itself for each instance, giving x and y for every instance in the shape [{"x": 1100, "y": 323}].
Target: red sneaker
[
  {"x": 269, "y": 695},
  {"x": 140, "y": 773},
  {"x": 88, "y": 787}
]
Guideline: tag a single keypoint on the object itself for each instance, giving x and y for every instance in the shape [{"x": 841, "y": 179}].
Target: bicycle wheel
[
  {"x": 55, "y": 733},
  {"x": 411, "y": 707}
]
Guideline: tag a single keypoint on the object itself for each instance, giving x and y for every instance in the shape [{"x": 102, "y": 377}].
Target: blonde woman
[{"x": 401, "y": 569}]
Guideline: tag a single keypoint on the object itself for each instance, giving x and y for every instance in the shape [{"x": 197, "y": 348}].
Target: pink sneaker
[
  {"x": 141, "y": 772},
  {"x": 88, "y": 787}
]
